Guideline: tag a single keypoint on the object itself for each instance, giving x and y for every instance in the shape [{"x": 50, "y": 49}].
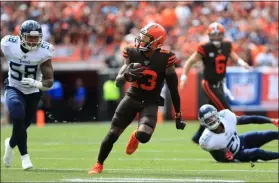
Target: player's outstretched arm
[
  {"x": 239, "y": 61},
  {"x": 172, "y": 82},
  {"x": 244, "y": 120},
  {"x": 187, "y": 66}
]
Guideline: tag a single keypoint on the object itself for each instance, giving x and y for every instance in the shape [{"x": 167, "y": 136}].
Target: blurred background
[{"x": 89, "y": 37}]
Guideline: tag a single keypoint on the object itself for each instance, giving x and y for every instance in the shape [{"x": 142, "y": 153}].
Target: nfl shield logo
[{"x": 211, "y": 54}]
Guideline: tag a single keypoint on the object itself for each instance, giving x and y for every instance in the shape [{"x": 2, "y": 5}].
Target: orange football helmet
[
  {"x": 151, "y": 37},
  {"x": 216, "y": 33}
]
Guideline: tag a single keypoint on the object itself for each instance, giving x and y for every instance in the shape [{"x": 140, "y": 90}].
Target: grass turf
[{"x": 65, "y": 152}]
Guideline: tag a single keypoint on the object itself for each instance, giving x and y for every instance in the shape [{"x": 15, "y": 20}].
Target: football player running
[
  {"x": 30, "y": 70},
  {"x": 146, "y": 66},
  {"x": 214, "y": 55},
  {"x": 221, "y": 140}
]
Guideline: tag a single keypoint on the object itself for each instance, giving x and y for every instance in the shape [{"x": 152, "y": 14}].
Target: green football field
[{"x": 65, "y": 152}]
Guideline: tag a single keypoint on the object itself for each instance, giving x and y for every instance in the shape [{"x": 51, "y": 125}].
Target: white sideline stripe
[
  {"x": 121, "y": 151},
  {"x": 152, "y": 170},
  {"x": 81, "y": 142},
  {"x": 135, "y": 159},
  {"x": 147, "y": 180}
]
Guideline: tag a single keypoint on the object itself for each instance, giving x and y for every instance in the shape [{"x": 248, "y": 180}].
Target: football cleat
[
  {"x": 26, "y": 162},
  {"x": 96, "y": 169},
  {"x": 132, "y": 144},
  {"x": 275, "y": 122},
  {"x": 9, "y": 153}
]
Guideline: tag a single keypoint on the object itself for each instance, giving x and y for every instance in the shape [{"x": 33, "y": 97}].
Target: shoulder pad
[
  {"x": 166, "y": 51},
  {"x": 171, "y": 57},
  {"x": 8, "y": 40},
  {"x": 126, "y": 50},
  {"x": 48, "y": 49},
  {"x": 129, "y": 47},
  {"x": 226, "y": 112},
  {"x": 227, "y": 41},
  {"x": 204, "y": 43},
  {"x": 201, "y": 48},
  {"x": 228, "y": 115}
]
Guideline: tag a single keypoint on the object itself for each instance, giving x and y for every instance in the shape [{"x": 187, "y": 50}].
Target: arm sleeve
[
  {"x": 172, "y": 82},
  {"x": 244, "y": 120},
  {"x": 4, "y": 44},
  {"x": 50, "y": 53},
  {"x": 229, "y": 116}
]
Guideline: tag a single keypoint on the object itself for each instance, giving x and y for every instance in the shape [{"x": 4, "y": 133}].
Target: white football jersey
[
  {"x": 229, "y": 139},
  {"x": 24, "y": 64}
]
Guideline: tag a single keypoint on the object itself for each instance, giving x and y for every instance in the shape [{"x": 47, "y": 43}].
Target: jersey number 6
[
  {"x": 220, "y": 64},
  {"x": 151, "y": 83},
  {"x": 29, "y": 70}
]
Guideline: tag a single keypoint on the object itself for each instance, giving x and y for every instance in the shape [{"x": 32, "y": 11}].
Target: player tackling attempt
[
  {"x": 30, "y": 70},
  {"x": 146, "y": 66},
  {"x": 214, "y": 54},
  {"x": 221, "y": 140}
]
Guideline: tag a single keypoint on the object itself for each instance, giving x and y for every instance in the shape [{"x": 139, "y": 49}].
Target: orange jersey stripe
[
  {"x": 172, "y": 62},
  {"x": 212, "y": 96},
  {"x": 201, "y": 51},
  {"x": 172, "y": 57}
]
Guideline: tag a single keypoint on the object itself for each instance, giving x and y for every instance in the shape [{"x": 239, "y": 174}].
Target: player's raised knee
[
  {"x": 16, "y": 108},
  {"x": 143, "y": 137}
]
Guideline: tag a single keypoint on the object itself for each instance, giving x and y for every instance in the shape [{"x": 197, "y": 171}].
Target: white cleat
[
  {"x": 26, "y": 162},
  {"x": 9, "y": 153}
]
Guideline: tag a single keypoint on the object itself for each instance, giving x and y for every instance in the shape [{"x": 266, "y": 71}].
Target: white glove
[
  {"x": 244, "y": 64},
  {"x": 227, "y": 91},
  {"x": 183, "y": 80},
  {"x": 31, "y": 83},
  {"x": 183, "y": 77}
]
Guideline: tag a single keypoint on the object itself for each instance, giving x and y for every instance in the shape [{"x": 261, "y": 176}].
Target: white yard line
[
  {"x": 120, "y": 151},
  {"x": 116, "y": 179},
  {"x": 151, "y": 170},
  {"x": 132, "y": 159}
]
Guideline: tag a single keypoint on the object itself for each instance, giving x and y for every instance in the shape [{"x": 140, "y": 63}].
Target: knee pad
[
  {"x": 16, "y": 109},
  {"x": 143, "y": 137}
]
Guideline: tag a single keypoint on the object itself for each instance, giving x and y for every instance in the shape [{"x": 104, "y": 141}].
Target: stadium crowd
[{"x": 98, "y": 28}]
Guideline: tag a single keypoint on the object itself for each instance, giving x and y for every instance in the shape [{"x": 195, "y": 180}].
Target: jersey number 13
[{"x": 151, "y": 82}]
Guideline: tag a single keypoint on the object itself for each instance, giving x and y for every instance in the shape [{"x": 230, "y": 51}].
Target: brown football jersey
[
  {"x": 214, "y": 60},
  {"x": 149, "y": 87}
]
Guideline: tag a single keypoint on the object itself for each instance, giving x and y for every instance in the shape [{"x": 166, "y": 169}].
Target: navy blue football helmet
[
  {"x": 30, "y": 35},
  {"x": 209, "y": 117}
]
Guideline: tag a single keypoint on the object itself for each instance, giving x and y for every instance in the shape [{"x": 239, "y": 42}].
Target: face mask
[{"x": 216, "y": 43}]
